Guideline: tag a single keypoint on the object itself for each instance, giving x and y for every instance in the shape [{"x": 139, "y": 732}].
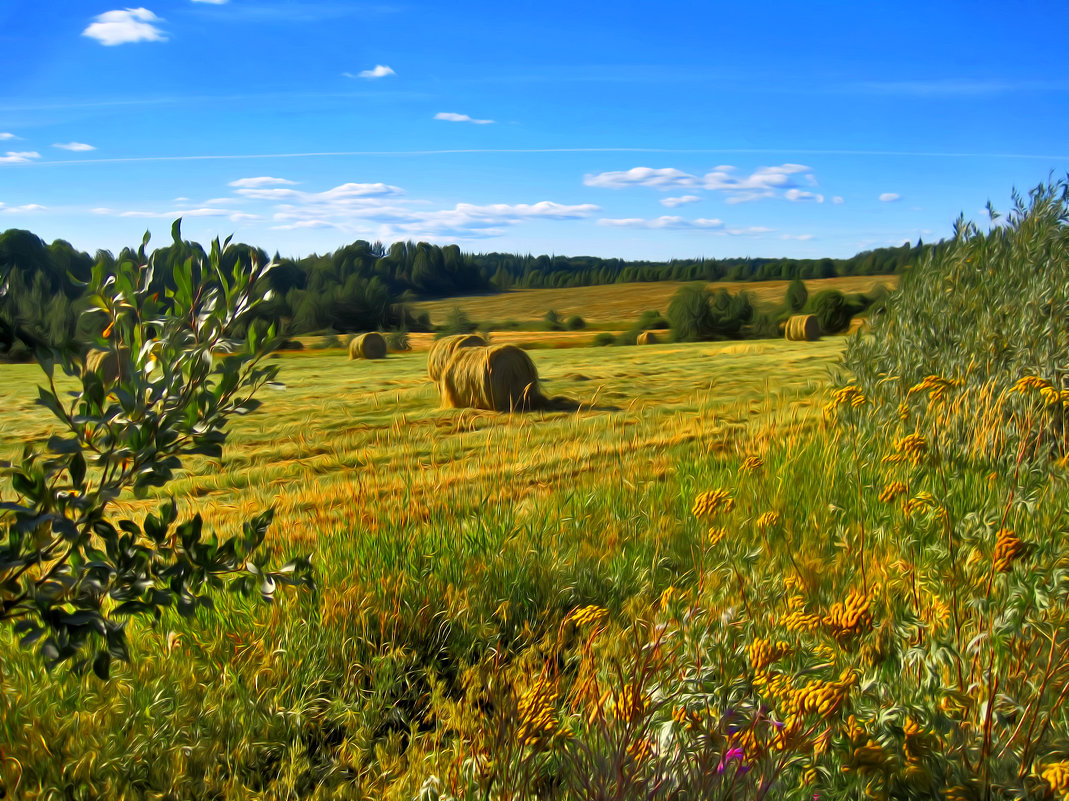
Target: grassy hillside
[{"x": 620, "y": 303}]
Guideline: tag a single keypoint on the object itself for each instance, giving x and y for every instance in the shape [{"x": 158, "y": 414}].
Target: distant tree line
[{"x": 365, "y": 286}]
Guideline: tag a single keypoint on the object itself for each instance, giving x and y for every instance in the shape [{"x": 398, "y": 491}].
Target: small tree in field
[{"x": 172, "y": 370}]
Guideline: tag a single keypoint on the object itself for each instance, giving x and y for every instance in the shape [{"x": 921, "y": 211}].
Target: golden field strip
[{"x": 622, "y": 303}]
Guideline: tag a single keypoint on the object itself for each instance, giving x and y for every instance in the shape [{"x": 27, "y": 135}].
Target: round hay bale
[
  {"x": 499, "y": 377},
  {"x": 647, "y": 338},
  {"x": 802, "y": 328},
  {"x": 106, "y": 363},
  {"x": 443, "y": 349},
  {"x": 371, "y": 345}
]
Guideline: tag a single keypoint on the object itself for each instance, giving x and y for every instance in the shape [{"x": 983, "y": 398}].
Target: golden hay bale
[
  {"x": 647, "y": 338},
  {"x": 443, "y": 349},
  {"x": 499, "y": 377},
  {"x": 802, "y": 328},
  {"x": 106, "y": 362},
  {"x": 371, "y": 345}
]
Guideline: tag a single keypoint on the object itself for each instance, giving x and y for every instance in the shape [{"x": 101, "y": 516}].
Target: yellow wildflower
[
  {"x": 768, "y": 519},
  {"x": 537, "y": 712},
  {"x": 762, "y": 653},
  {"x": 711, "y": 502},
  {"x": 919, "y": 502},
  {"x": 666, "y": 597},
  {"x": 936, "y": 387},
  {"x": 851, "y": 396},
  {"x": 1030, "y": 382},
  {"x": 716, "y": 534},
  {"x": 1056, "y": 775},
  {"x": 911, "y": 448},
  {"x": 587, "y": 614},
  {"x": 892, "y": 491},
  {"x": 851, "y": 617},
  {"x": 752, "y": 463},
  {"x": 1008, "y": 549}
]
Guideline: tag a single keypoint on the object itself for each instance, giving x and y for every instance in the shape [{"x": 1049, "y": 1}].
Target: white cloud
[
  {"x": 379, "y": 71},
  {"x": 664, "y": 221},
  {"x": 795, "y": 195},
  {"x": 672, "y": 202},
  {"x": 658, "y": 178},
  {"x": 889, "y": 197},
  {"x": 12, "y": 157},
  {"x": 22, "y": 209},
  {"x": 450, "y": 116},
  {"x": 122, "y": 27},
  {"x": 76, "y": 147},
  {"x": 761, "y": 183},
  {"x": 345, "y": 193},
  {"x": 797, "y": 237},
  {"x": 837, "y": 200},
  {"x": 762, "y": 179},
  {"x": 752, "y": 230},
  {"x": 5, "y": 136},
  {"x": 263, "y": 180},
  {"x": 170, "y": 215}
]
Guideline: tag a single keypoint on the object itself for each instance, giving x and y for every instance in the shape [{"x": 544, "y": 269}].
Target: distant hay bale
[
  {"x": 371, "y": 345},
  {"x": 443, "y": 349},
  {"x": 647, "y": 338},
  {"x": 106, "y": 362},
  {"x": 802, "y": 328},
  {"x": 499, "y": 377}
]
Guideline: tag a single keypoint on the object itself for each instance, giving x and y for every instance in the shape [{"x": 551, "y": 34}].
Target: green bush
[
  {"x": 552, "y": 322},
  {"x": 689, "y": 314},
  {"x": 457, "y": 322},
  {"x": 575, "y": 323},
  {"x": 603, "y": 339},
  {"x": 171, "y": 373},
  {"x": 984, "y": 312}
]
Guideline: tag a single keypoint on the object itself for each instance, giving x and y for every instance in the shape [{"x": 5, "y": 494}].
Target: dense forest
[{"x": 365, "y": 286}]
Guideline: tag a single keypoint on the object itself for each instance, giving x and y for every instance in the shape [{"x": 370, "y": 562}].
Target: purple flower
[{"x": 735, "y": 754}]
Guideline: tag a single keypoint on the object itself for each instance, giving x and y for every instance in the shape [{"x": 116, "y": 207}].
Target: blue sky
[{"x": 639, "y": 130}]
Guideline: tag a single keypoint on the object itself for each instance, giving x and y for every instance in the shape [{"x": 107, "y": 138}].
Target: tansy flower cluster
[
  {"x": 936, "y": 386},
  {"x": 1008, "y": 549},
  {"x": 711, "y": 502},
  {"x": 537, "y": 713},
  {"x": 851, "y": 396},
  {"x": 911, "y": 448},
  {"x": 584, "y": 615},
  {"x": 768, "y": 519},
  {"x": 892, "y": 491},
  {"x": 752, "y": 463},
  {"x": 797, "y": 619},
  {"x": 1056, "y": 775},
  {"x": 763, "y": 653},
  {"x": 850, "y": 617}
]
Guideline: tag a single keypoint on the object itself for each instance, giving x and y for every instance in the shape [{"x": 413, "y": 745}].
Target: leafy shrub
[
  {"x": 457, "y": 322},
  {"x": 398, "y": 340},
  {"x": 171, "y": 374},
  {"x": 604, "y": 338},
  {"x": 575, "y": 323},
  {"x": 689, "y": 314},
  {"x": 552, "y": 322},
  {"x": 986, "y": 311},
  {"x": 651, "y": 320},
  {"x": 796, "y": 297}
]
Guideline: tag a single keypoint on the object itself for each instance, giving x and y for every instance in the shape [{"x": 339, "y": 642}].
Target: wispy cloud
[
  {"x": 5, "y": 136},
  {"x": 761, "y": 183},
  {"x": 889, "y": 197},
  {"x": 21, "y": 209},
  {"x": 657, "y": 178},
  {"x": 796, "y": 195},
  {"x": 343, "y": 194},
  {"x": 837, "y": 200},
  {"x": 76, "y": 147},
  {"x": 450, "y": 116},
  {"x": 24, "y": 157},
  {"x": 664, "y": 221},
  {"x": 672, "y": 202},
  {"x": 797, "y": 237},
  {"x": 122, "y": 27},
  {"x": 261, "y": 181},
  {"x": 379, "y": 71}
]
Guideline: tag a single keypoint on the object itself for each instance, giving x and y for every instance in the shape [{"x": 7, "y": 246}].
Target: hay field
[{"x": 621, "y": 303}]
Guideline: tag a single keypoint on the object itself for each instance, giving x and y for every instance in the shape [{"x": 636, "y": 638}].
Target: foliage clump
[{"x": 990, "y": 309}]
